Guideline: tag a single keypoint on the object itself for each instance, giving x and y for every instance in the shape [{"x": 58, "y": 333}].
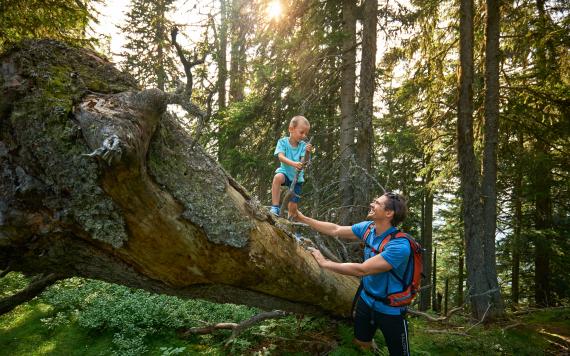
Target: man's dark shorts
[
  {"x": 393, "y": 327},
  {"x": 298, "y": 187}
]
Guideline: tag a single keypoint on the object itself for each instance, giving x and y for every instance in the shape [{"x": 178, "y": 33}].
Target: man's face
[{"x": 378, "y": 209}]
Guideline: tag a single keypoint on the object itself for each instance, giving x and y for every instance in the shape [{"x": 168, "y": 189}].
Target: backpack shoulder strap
[
  {"x": 389, "y": 238},
  {"x": 367, "y": 232},
  {"x": 365, "y": 239},
  {"x": 395, "y": 235}
]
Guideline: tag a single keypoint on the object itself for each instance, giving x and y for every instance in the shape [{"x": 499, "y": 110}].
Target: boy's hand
[
  {"x": 309, "y": 148},
  {"x": 298, "y": 165}
]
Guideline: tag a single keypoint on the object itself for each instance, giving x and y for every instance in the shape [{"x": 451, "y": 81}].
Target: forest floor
[{"x": 82, "y": 317}]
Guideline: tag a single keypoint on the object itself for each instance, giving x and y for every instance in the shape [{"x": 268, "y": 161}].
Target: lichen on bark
[
  {"x": 198, "y": 182},
  {"x": 51, "y": 77}
]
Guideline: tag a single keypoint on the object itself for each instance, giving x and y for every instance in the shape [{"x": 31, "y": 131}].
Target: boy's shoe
[{"x": 275, "y": 210}]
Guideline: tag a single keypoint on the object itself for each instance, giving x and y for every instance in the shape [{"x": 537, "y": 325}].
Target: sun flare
[{"x": 274, "y": 10}]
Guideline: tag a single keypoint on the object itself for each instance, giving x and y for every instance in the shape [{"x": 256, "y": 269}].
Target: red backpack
[{"x": 415, "y": 263}]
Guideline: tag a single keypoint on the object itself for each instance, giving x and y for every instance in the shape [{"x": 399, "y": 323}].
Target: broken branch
[
  {"x": 237, "y": 328},
  {"x": 30, "y": 292}
]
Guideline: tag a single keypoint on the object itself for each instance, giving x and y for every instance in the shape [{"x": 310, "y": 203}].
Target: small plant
[
  {"x": 167, "y": 351},
  {"x": 239, "y": 345},
  {"x": 54, "y": 322},
  {"x": 132, "y": 316},
  {"x": 265, "y": 350}
]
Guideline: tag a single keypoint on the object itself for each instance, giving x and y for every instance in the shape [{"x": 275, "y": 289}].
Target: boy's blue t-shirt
[
  {"x": 396, "y": 253},
  {"x": 293, "y": 153}
]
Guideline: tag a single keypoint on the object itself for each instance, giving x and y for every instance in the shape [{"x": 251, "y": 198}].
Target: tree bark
[
  {"x": 427, "y": 241},
  {"x": 238, "y": 43},
  {"x": 489, "y": 179},
  {"x": 222, "y": 56},
  {"x": 542, "y": 172},
  {"x": 468, "y": 167},
  {"x": 542, "y": 183},
  {"x": 161, "y": 38},
  {"x": 99, "y": 182},
  {"x": 446, "y": 297},
  {"x": 460, "y": 275},
  {"x": 34, "y": 289},
  {"x": 365, "y": 112},
  {"x": 516, "y": 243},
  {"x": 348, "y": 84},
  {"x": 434, "y": 305}
]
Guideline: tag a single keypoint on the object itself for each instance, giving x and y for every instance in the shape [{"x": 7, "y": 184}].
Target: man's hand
[{"x": 317, "y": 255}]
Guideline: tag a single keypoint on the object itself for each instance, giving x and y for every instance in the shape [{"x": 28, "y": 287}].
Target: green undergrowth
[{"x": 85, "y": 317}]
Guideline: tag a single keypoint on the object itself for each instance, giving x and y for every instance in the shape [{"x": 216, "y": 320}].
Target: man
[{"x": 386, "y": 212}]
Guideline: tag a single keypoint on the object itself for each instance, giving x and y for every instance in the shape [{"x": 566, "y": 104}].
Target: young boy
[{"x": 290, "y": 151}]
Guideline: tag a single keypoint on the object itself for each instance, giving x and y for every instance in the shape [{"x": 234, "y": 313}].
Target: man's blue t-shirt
[
  {"x": 294, "y": 154},
  {"x": 396, "y": 253}
]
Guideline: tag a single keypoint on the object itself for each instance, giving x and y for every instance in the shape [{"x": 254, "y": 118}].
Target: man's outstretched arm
[
  {"x": 374, "y": 265},
  {"x": 327, "y": 228}
]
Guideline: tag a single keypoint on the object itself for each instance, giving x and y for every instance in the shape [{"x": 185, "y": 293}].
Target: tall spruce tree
[
  {"x": 149, "y": 55},
  {"x": 347, "y": 109},
  {"x": 57, "y": 19},
  {"x": 365, "y": 109}
]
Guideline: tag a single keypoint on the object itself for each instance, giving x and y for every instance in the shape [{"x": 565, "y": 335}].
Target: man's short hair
[
  {"x": 297, "y": 119},
  {"x": 397, "y": 203}
]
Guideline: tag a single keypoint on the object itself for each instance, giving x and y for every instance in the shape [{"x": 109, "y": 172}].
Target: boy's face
[{"x": 299, "y": 132}]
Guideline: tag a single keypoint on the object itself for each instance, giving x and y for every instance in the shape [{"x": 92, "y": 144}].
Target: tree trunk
[
  {"x": 460, "y": 276},
  {"x": 427, "y": 241},
  {"x": 446, "y": 297},
  {"x": 365, "y": 134},
  {"x": 542, "y": 173},
  {"x": 147, "y": 208},
  {"x": 489, "y": 179},
  {"x": 516, "y": 243},
  {"x": 468, "y": 167},
  {"x": 434, "y": 305},
  {"x": 222, "y": 56},
  {"x": 160, "y": 50},
  {"x": 237, "y": 62},
  {"x": 348, "y": 83},
  {"x": 542, "y": 183}
]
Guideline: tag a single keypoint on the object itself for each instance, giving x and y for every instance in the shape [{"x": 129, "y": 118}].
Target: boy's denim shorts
[{"x": 298, "y": 187}]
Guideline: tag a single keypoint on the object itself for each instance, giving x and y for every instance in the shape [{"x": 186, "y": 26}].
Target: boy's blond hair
[{"x": 297, "y": 119}]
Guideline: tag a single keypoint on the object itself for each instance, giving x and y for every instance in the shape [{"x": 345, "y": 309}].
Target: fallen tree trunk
[{"x": 98, "y": 181}]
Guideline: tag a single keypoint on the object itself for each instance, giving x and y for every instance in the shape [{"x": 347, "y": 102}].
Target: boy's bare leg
[{"x": 278, "y": 179}]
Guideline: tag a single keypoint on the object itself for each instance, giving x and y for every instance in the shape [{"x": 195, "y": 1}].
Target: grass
[
  {"x": 60, "y": 323},
  {"x": 23, "y": 333}
]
